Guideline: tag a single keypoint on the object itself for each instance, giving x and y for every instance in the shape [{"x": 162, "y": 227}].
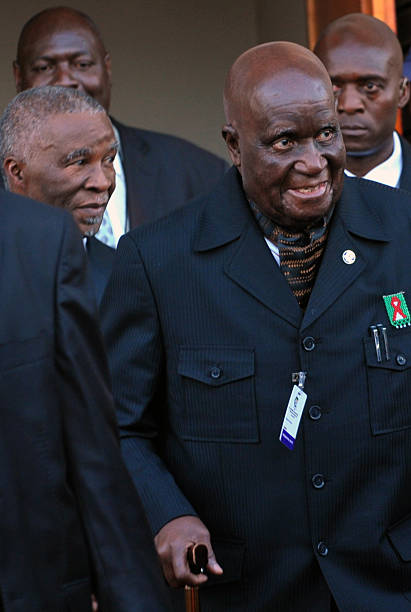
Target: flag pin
[{"x": 397, "y": 309}]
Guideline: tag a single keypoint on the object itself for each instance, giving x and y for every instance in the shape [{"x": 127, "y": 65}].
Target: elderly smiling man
[
  {"x": 57, "y": 146},
  {"x": 257, "y": 413}
]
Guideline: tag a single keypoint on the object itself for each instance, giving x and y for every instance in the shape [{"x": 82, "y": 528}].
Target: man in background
[
  {"x": 365, "y": 62},
  {"x": 156, "y": 173},
  {"x": 57, "y": 146}
]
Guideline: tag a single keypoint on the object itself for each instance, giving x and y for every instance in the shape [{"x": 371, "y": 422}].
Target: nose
[
  {"x": 311, "y": 161},
  {"x": 64, "y": 77},
  {"x": 101, "y": 178},
  {"x": 349, "y": 100}
]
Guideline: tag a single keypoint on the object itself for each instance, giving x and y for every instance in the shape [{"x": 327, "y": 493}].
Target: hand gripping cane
[{"x": 197, "y": 557}]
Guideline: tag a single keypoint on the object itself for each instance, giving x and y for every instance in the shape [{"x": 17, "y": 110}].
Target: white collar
[{"x": 389, "y": 171}]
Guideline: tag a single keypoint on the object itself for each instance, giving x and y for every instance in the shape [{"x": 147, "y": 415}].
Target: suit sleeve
[
  {"x": 135, "y": 348},
  {"x": 127, "y": 572}
]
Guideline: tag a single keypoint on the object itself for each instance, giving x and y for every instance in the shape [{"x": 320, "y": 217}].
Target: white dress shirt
[
  {"x": 116, "y": 210},
  {"x": 389, "y": 172}
]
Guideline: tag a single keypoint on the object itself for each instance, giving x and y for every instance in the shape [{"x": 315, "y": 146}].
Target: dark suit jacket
[
  {"x": 204, "y": 334},
  {"x": 405, "y": 180},
  {"x": 70, "y": 520},
  {"x": 163, "y": 172},
  {"x": 100, "y": 259}
]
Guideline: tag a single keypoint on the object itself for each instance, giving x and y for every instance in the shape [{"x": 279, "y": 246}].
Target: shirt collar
[{"x": 389, "y": 171}]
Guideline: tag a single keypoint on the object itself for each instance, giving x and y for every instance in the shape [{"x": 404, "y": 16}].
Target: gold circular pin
[{"x": 349, "y": 257}]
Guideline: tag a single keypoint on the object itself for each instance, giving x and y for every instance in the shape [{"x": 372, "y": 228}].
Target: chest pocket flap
[
  {"x": 216, "y": 366},
  {"x": 218, "y": 394}
]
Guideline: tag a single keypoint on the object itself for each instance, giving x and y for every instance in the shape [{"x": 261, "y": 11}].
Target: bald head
[
  {"x": 359, "y": 29},
  {"x": 364, "y": 60},
  {"x": 282, "y": 133},
  {"x": 63, "y": 46},
  {"x": 276, "y": 62},
  {"x": 55, "y": 17}
]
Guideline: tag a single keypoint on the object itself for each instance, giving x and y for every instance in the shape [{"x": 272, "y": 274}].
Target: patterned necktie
[
  {"x": 300, "y": 253},
  {"x": 300, "y": 256}
]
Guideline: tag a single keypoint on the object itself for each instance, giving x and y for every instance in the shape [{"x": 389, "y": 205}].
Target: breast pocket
[
  {"x": 218, "y": 394},
  {"x": 389, "y": 383}
]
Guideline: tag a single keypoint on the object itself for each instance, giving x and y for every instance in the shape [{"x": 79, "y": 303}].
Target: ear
[
  {"x": 107, "y": 63},
  {"x": 17, "y": 76},
  {"x": 15, "y": 175},
  {"x": 231, "y": 138},
  {"x": 404, "y": 92}
]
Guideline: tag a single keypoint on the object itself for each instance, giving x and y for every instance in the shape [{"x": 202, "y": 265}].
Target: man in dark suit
[
  {"x": 156, "y": 173},
  {"x": 365, "y": 62},
  {"x": 71, "y": 522},
  {"x": 219, "y": 318},
  {"x": 57, "y": 146}
]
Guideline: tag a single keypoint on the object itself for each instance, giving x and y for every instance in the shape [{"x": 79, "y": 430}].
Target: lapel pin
[
  {"x": 349, "y": 257},
  {"x": 397, "y": 309}
]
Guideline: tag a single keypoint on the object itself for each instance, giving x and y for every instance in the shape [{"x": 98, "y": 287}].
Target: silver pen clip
[
  {"x": 374, "y": 333},
  {"x": 383, "y": 332}
]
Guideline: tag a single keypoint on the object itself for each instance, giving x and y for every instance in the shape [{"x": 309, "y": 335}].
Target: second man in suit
[
  {"x": 156, "y": 173},
  {"x": 57, "y": 146}
]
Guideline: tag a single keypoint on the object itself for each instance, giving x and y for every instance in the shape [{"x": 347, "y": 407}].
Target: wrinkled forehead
[
  {"x": 84, "y": 129},
  {"x": 286, "y": 89},
  {"x": 58, "y": 36}
]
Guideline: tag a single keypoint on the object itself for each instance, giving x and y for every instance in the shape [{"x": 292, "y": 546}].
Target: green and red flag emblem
[{"x": 397, "y": 309}]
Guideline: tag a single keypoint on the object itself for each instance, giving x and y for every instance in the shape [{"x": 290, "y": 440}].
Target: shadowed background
[{"x": 169, "y": 58}]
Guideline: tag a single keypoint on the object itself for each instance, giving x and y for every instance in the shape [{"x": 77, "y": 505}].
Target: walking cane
[{"x": 197, "y": 557}]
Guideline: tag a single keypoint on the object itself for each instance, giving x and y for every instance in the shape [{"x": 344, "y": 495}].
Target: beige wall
[{"x": 169, "y": 57}]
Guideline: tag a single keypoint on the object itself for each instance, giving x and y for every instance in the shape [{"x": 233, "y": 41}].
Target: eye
[
  {"x": 77, "y": 162},
  {"x": 42, "y": 67},
  {"x": 282, "y": 144},
  {"x": 370, "y": 87},
  {"x": 326, "y": 135},
  {"x": 84, "y": 64}
]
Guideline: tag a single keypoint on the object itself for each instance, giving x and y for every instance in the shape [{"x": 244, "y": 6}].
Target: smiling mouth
[
  {"x": 93, "y": 220},
  {"x": 311, "y": 191}
]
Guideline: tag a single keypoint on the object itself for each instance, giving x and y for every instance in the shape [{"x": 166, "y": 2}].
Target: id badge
[{"x": 292, "y": 417}]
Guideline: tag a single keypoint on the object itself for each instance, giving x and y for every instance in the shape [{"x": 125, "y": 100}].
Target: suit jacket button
[
  {"x": 309, "y": 343},
  {"x": 315, "y": 413},
  {"x": 318, "y": 481},
  {"x": 216, "y": 372},
  {"x": 322, "y": 549},
  {"x": 401, "y": 360}
]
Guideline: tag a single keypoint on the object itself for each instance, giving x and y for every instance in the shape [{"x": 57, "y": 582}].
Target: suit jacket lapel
[
  {"x": 255, "y": 270},
  {"x": 141, "y": 173},
  {"x": 353, "y": 218},
  {"x": 405, "y": 180},
  {"x": 227, "y": 218}
]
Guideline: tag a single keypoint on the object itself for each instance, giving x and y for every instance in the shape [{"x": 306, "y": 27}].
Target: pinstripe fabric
[{"x": 191, "y": 298}]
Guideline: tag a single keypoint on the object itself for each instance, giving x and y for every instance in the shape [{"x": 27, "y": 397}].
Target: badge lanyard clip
[{"x": 298, "y": 378}]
